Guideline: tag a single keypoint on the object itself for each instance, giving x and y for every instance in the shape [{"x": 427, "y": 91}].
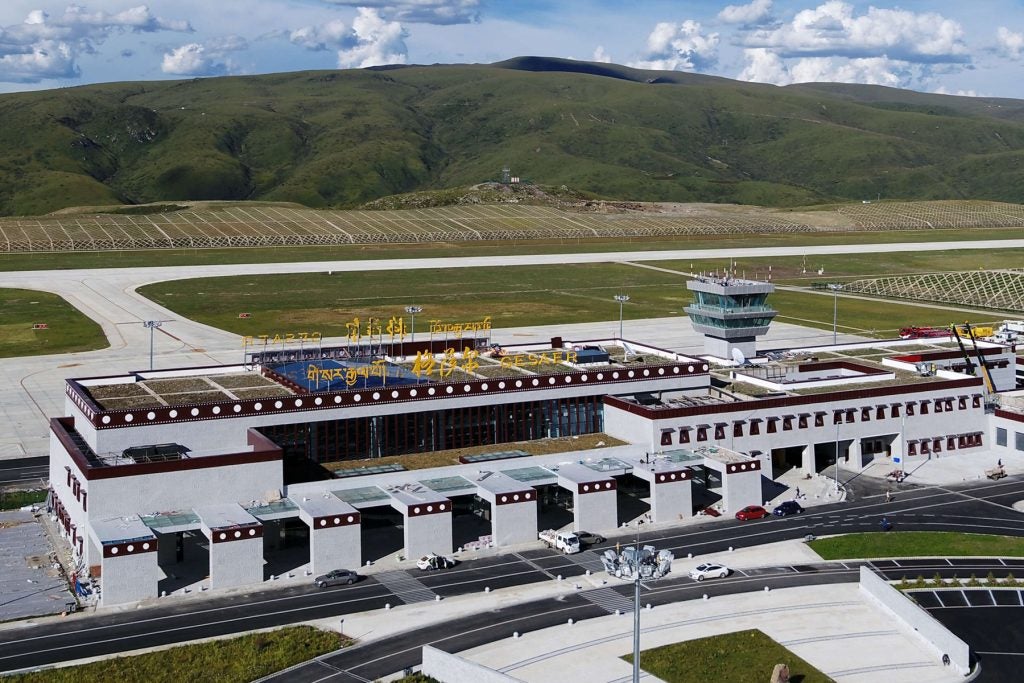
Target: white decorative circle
[
  {"x": 630, "y": 374},
  {"x": 608, "y": 485},
  {"x": 298, "y": 403},
  {"x": 441, "y": 507},
  {"x": 704, "y": 367},
  {"x": 151, "y": 415},
  {"x": 430, "y": 508},
  {"x": 415, "y": 511},
  {"x": 350, "y": 519},
  {"x": 278, "y": 404},
  {"x": 131, "y": 548},
  {"x": 551, "y": 380},
  {"x": 583, "y": 378},
  {"x": 675, "y": 370},
  {"x": 113, "y": 551},
  {"x": 536, "y": 381},
  {"x": 237, "y": 408},
  {"x": 376, "y": 396},
  {"x": 357, "y": 398},
  {"x": 568, "y": 379},
  {"x": 484, "y": 387},
  {"x": 586, "y": 487},
  {"x": 128, "y": 417},
  {"x": 689, "y": 368},
  {"x": 216, "y": 410},
  {"x": 519, "y": 383},
  {"x": 194, "y": 412},
  {"x": 413, "y": 392},
  {"x": 661, "y": 371},
  {"x": 515, "y": 497},
  {"x": 252, "y": 532},
  {"x": 257, "y": 406},
  {"x": 173, "y": 414},
  {"x": 448, "y": 389},
  {"x": 337, "y": 520},
  {"x": 394, "y": 394},
  {"x": 647, "y": 372},
  {"x": 526, "y": 495},
  {"x": 501, "y": 385},
  {"x": 145, "y": 546},
  {"x": 337, "y": 399},
  {"x": 504, "y": 499},
  {"x": 318, "y": 400},
  {"x": 466, "y": 388},
  {"x": 600, "y": 376},
  {"x": 431, "y": 391},
  {"x": 615, "y": 375},
  {"x": 238, "y": 534},
  {"x": 223, "y": 536},
  {"x": 672, "y": 476}
]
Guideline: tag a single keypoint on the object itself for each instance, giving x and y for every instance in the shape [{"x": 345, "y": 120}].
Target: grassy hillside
[{"x": 344, "y": 138}]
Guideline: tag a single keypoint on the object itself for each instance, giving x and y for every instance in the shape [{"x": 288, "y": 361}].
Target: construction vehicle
[
  {"x": 923, "y": 332},
  {"x": 996, "y": 473},
  {"x": 986, "y": 372},
  {"x": 566, "y": 541},
  {"x": 980, "y": 331}
]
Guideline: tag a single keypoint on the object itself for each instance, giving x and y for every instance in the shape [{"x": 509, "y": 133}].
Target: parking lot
[{"x": 29, "y": 585}]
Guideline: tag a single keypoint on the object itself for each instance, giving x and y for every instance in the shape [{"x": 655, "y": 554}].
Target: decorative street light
[
  {"x": 621, "y": 298},
  {"x": 835, "y": 310},
  {"x": 152, "y": 325},
  {"x": 636, "y": 608},
  {"x": 413, "y": 310}
]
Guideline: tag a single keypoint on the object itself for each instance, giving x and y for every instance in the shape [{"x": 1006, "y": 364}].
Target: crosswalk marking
[
  {"x": 406, "y": 587},
  {"x": 609, "y": 600},
  {"x": 587, "y": 560}
]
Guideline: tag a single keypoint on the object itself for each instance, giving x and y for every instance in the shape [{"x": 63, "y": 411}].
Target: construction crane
[
  {"x": 955, "y": 331},
  {"x": 986, "y": 371}
]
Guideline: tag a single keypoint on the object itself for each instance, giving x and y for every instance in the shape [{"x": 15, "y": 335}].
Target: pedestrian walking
[{"x": 888, "y": 496}]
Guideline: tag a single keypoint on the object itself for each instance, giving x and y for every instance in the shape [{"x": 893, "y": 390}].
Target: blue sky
[{"x": 945, "y": 46}]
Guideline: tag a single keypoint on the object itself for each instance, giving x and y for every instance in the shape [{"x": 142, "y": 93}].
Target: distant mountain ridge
[{"x": 344, "y": 138}]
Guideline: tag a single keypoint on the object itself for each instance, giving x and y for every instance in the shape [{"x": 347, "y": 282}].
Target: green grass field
[
  {"x": 234, "y": 660},
  {"x": 917, "y": 544},
  {"x": 12, "y": 500},
  {"x": 512, "y": 296},
  {"x": 67, "y": 329},
  {"x": 738, "y": 657}
]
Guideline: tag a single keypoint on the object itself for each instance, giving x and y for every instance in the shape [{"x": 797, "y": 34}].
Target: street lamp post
[
  {"x": 835, "y": 311},
  {"x": 413, "y": 310},
  {"x": 621, "y": 298},
  {"x": 636, "y": 611},
  {"x": 152, "y": 325}
]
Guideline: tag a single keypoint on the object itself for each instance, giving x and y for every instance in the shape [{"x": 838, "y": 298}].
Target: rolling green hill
[{"x": 344, "y": 138}]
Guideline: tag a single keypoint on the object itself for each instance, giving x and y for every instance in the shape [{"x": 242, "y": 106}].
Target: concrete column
[
  {"x": 596, "y": 507},
  {"x": 335, "y": 547},
  {"x": 806, "y": 459},
  {"x": 236, "y": 556},
  {"x": 167, "y": 549},
  {"x": 428, "y": 531},
  {"x": 129, "y": 572},
  {"x": 514, "y": 521},
  {"x": 741, "y": 485},
  {"x": 671, "y": 496}
]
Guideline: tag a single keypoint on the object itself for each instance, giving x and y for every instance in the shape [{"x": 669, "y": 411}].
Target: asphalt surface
[
  {"x": 982, "y": 509},
  {"x": 24, "y": 470},
  {"x": 990, "y": 623}
]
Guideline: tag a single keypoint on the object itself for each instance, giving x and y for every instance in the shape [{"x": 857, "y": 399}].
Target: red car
[{"x": 751, "y": 512}]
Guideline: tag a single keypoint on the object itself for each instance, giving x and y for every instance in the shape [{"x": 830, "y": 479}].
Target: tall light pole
[
  {"x": 621, "y": 298},
  {"x": 152, "y": 325},
  {"x": 636, "y": 609},
  {"x": 413, "y": 310},
  {"x": 835, "y": 311}
]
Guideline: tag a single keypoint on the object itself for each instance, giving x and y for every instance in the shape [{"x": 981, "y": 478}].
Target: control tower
[{"x": 731, "y": 313}]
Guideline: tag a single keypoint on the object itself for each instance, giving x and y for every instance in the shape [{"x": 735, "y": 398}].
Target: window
[
  {"x": 666, "y": 437},
  {"x": 911, "y": 448},
  {"x": 851, "y": 415},
  {"x": 1001, "y": 436},
  {"x": 719, "y": 431},
  {"x": 865, "y": 414},
  {"x": 951, "y": 443},
  {"x": 963, "y": 403},
  {"x": 949, "y": 404},
  {"x": 977, "y": 401},
  {"x": 702, "y": 433},
  {"x": 880, "y": 413},
  {"x": 910, "y": 409},
  {"x": 938, "y": 407},
  {"x": 837, "y": 417},
  {"x": 771, "y": 424},
  {"x": 755, "y": 427},
  {"x": 819, "y": 419},
  {"x": 787, "y": 423},
  {"x": 924, "y": 407},
  {"x": 895, "y": 409},
  {"x": 684, "y": 435},
  {"x": 802, "y": 422},
  {"x": 737, "y": 429},
  {"x": 1018, "y": 441}
]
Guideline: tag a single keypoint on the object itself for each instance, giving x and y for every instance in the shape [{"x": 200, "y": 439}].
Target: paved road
[
  {"x": 24, "y": 470},
  {"x": 31, "y": 389},
  {"x": 980, "y": 509}
]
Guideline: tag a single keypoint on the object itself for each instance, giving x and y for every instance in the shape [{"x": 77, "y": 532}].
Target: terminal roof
[
  {"x": 121, "y": 529},
  {"x": 225, "y": 515},
  {"x": 324, "y": 505}
]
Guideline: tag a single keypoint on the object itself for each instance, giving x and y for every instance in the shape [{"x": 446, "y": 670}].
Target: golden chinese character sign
[{"x": 427, "y": 363}]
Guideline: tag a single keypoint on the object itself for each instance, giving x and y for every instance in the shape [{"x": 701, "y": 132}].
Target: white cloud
[
  {"x": 679, "y": 47},
  {"x": 329, "y": 36},
  {"x": 832, "y": 29},
  {"x": 942, "y": 90},
  {"x": 46, "y": 47},
  {"x": 203, "y": 59},
  {"x": 376, "y": 42},
  {"x": 753, "y": 14},
  {"x": 1011, "y": 43},
  {"x": 766, "y": 66},
  {"x": 421, "y": 11},
  {"x": 601, "y": 56}
]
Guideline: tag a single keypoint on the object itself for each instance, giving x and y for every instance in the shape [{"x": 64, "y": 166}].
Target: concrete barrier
[
  {"x": 928, "y": 628},
  {"x": 449, "y": 668}
]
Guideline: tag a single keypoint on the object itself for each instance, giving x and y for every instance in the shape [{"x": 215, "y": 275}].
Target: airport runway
[{"x": 32, "y": 389}]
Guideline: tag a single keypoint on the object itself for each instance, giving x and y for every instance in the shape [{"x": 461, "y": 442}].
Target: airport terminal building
[{"x": 153, "y": 470}]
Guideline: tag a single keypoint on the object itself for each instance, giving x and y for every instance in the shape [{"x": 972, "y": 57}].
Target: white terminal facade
[{"x": 150, "y": 470}]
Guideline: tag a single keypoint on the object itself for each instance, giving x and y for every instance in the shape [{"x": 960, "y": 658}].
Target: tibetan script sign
[{"x": 377, "y": 368}]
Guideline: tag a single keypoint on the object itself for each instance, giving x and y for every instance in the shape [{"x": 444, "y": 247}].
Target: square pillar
[
  {"x": 236, "y": 545},
  {"x": 129, "y": 571},
  {"x": 595, "y": 506},
  {"x": 513, "y": 508},
  {"x": 741, "y": 485},
  {"x": 807, "y": 459},
  {"x": 428, "y": 531},
  {"x": 671, "y": 496},
  {"x": 335, "y": 533}
]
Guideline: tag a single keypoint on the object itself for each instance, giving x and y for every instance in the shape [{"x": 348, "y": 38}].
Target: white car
[
  {"x": 433, "y": 561},
  {"x": 709, "y": 570}
]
